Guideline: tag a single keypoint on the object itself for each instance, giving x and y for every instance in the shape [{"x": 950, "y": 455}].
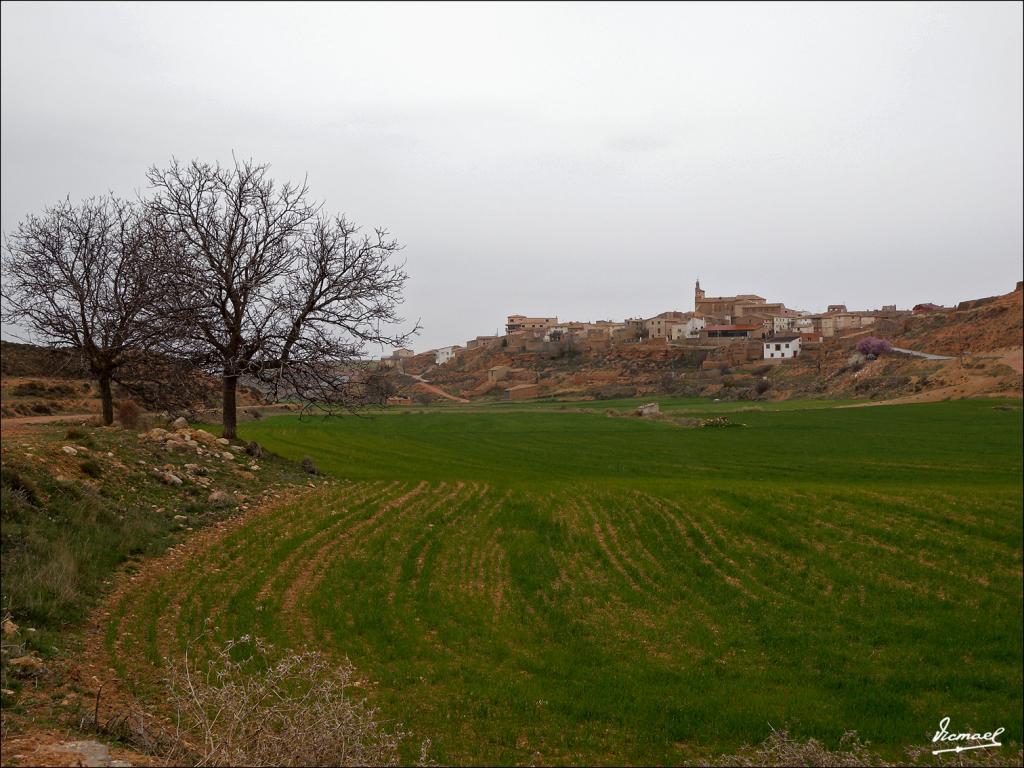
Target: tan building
[
  {"x": 480, "y": 340},
  {"x": 660, "y": 326},
  {"x": 498, "y": 372},
  {"x": 517, "y": 323},
  {"x": 521, "y": 392},
  {"x": 394, "y": 360}
]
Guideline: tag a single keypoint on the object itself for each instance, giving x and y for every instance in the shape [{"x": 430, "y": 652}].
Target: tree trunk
[
  {"x": 230, "y": 414},
  {"x": 108, "y": 399}
]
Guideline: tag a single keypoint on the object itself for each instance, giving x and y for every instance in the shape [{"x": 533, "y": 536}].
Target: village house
[
  {"x": 930, "y": 307},
  {"x": 479, "y": 340},
  {"x": 498, "y": 372},
  {"x": 690, "y": 329},
  {"x": 521, "y": 392},
  {"x": 518, "y": 323},
  {"x": 394, "y": 360},
  {"x": 444, "y": 354},
  {"x": 660, "y": 326},
  {"x": 781, "y": 347},
  {"x": 781, "y": 324}
]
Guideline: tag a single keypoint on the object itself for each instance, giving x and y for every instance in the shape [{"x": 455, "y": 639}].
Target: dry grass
[
  {"x": 129, "y": 413},
  {"x": 252, "y": 704}
]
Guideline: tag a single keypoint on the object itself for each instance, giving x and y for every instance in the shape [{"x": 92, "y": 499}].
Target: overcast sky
[{"x": 582, "y": 160}]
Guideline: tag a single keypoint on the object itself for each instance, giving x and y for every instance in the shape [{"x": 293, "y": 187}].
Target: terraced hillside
[{"x": 568, "y": 587}]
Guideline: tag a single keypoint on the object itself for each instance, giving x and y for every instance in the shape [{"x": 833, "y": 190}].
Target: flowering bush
[{"x": 873, "y": 346}]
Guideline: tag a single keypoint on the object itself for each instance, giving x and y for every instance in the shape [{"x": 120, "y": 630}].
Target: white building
[
  {"x": 687, "y": 330},
  {"x": 781, "y": 347},
  {"x": 782, "y": 324},
  {"x": 444, "y": 354},
  {"x": 802, "y": 325},
  {"x": 555, "y": 333}
]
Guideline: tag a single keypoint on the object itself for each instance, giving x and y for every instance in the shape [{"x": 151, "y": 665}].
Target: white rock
[
  {"x": 69, "y": 450},
  {"x": 180, "y": 423}
]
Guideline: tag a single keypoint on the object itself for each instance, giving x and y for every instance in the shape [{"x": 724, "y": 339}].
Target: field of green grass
[{"x": 561, "y": 586}]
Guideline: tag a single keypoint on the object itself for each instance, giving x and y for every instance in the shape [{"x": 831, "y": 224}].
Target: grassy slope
[
  {"x": 570, "y": 587},
  {"x": 68, "y": 523}
]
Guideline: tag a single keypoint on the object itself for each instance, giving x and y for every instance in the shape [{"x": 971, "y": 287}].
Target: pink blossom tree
[{"x": 873, "y": 346}]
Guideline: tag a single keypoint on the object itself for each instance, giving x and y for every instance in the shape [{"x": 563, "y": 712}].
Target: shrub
[
  {"x": 13, "y": 480},
  {"x": 762, "y": 386},
  {"x": 129, "y": 414},
  {"x": 872, "y": 345},
  {"x": 253, "y": 705},
  {"x": 92, "y": 468},
  {"x": 29, "y": 389},
  {"x": 39, "y": 389},
  {"x": 308, "y": 465}
]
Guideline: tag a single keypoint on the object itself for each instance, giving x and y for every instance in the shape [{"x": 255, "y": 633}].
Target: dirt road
[
  {"x": 17, "y": 421},
  {"x": 437, "y": 390}
]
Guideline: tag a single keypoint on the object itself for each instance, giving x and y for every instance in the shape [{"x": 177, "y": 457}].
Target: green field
[{"x": 561, "y": 586}]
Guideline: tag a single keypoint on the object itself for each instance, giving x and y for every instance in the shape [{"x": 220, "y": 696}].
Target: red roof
[{"x": 732, "y": 327}]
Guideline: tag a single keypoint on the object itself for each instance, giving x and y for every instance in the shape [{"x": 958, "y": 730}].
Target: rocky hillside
[
  {"x": 987, "y": 331},
  {"x": 980, "y": 326}
]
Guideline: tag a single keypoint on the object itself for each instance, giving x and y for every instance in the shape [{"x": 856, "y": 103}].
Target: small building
[
  {"x": 781, "y": 324},
  {"x": 444, "y": 354},
  {"x": 498, "y": 372},
  {"x": 660, "y": 326},
  {"x": 689, "y": 329},
  {"x": 395, "y": 359},
  {"x": 556, "y": 333},
  {"x": 479, "y": 341},
  {"x": 781, "y": 347},
  {"x": 521, "y": 392}
]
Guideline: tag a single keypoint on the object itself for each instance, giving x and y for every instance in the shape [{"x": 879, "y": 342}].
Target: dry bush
[
  {"x": 253, "y": 705},
  {"x": 780, "y": 749},
  {"x": 129, "y": 414}
]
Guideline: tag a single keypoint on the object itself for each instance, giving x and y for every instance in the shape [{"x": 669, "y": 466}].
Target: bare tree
[
  {"x": 84, "y": 277},
  {"x": 267, "y": 289}
]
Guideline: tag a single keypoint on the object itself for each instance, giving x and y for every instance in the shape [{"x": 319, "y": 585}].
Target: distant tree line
[{"x": 216, "y": 271}]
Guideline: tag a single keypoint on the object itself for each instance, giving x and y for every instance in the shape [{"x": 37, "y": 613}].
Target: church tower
[{"x": 698, "y": 296}]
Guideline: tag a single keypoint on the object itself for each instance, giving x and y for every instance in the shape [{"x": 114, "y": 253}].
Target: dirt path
[
  {"x": 437, "y": 390},
  {"x": 15, "y": 421}
]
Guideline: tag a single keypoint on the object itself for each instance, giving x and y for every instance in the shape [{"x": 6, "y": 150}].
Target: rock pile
[{"x": 203, "y": 444}]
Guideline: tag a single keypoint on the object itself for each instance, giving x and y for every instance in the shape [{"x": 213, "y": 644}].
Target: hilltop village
[
  {"x": 748, "y": 322},
  {"x": 730, "y": 346}
]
